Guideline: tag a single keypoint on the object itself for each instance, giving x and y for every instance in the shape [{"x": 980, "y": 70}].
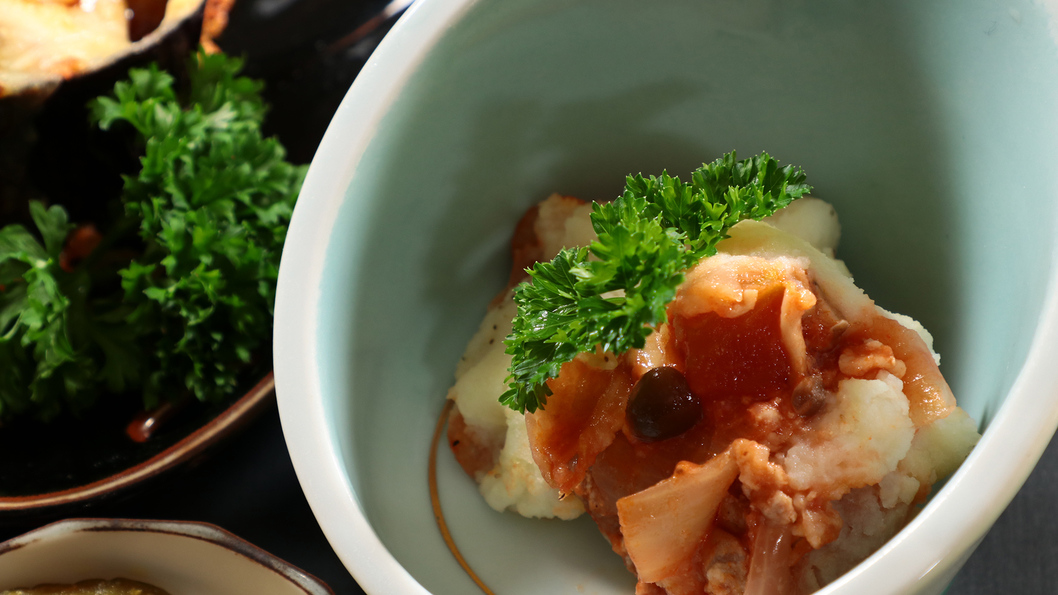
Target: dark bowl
[
  {"x": 308, "y": 52},
  {"x": 73, "y": 463}
]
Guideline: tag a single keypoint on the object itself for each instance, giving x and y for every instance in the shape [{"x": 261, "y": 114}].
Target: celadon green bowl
[{"x": 931, "y": 126}]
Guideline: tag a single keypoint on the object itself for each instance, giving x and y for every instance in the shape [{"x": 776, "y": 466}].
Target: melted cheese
[{"x": 43, "y": 42}]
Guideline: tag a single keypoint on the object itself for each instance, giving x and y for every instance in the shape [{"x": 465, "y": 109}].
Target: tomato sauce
[{"x": 737, "y": 360}]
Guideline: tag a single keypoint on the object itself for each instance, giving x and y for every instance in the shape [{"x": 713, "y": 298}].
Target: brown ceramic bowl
[
  {"x": 52, "y": 469},
  {"x": 71, "y": 463}
]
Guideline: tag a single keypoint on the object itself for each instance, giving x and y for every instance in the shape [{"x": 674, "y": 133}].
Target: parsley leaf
[
  {"x": 214, "y": 198},
  {"x": 45, "y": 368},
  {"x": 188, "y": 314},
  {"x": 657, "y": 229}
]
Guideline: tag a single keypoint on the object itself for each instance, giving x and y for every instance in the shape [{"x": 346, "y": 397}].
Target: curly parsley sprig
[
  {"x": 657, "y": 229},
  {"x": 188, "y": 313},
  {"x": 39, "y": 356},
  {"x": 213, "y": 198}
]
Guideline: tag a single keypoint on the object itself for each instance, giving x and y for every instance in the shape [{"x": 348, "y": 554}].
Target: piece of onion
[
  {"x": 664, "y": 524},
  {"x": 769, "y": 567}
]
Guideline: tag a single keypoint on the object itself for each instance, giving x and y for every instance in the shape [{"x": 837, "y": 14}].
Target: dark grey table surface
[{"x": 248, "y": 485}]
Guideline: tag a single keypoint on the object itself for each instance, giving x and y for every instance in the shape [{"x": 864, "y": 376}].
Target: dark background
[{"x": 247, "y": 485}]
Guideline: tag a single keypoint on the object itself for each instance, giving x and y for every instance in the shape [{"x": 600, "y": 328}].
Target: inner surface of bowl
[{"x": 930, "y": 126}]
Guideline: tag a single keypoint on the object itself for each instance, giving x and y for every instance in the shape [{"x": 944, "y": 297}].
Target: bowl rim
[
  {"x": 931, "y": 548},
  {"x": 198, "y": 530}
]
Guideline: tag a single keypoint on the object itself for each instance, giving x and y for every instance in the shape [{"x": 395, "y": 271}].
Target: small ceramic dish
[
  {"x": 179, "y": 557},
  {"x": 931, "y": 127}
]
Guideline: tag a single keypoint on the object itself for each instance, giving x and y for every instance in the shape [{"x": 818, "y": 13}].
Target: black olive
[
  {"x": 809, "y": 396},
  {"x": 662, "y": 406}
]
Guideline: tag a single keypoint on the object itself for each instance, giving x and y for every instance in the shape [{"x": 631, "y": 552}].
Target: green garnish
[
  {"x": 214, "y": 198},
  {"x": 211, "y": 204},
  {"x": 657, "y": 229},
  {"x": 44, "y": 322}
]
